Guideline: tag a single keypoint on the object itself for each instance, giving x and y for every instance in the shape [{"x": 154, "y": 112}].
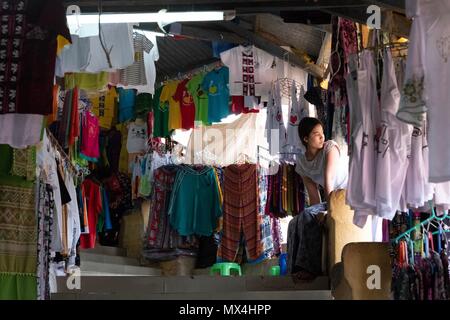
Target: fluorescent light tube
[{"x": 150, "y": 17}]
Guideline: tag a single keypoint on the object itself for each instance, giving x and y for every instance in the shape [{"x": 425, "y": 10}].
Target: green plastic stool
[
  {"x": 275, "y": 271},
  {"x": 224, "y": 268}
]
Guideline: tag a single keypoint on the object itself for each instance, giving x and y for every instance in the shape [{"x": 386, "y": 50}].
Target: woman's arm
[
  {"x": 331, "y": 162},
  {"x": 312, "y": 189}
]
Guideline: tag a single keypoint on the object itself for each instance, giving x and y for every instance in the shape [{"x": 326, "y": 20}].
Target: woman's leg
[{"x": 308, "y": 259}]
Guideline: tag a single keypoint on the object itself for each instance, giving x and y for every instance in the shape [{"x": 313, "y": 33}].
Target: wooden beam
[
  {"x": 391, "y": 22},
  {"x": 272, "y": 48}
]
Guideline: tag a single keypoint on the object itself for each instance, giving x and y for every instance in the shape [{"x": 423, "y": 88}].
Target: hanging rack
[
  {"x": 62, "y": 153},
  {"x": 427, "y": 222}
]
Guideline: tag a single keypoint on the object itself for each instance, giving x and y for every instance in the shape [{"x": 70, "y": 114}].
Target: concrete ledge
[{"x": 254, "y": 295}]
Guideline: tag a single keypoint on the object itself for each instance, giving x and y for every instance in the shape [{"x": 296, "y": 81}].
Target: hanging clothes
[
  {"x": 362, "y": 94},
  {"x": 393, "y": 147},
  {"x": 162, "y": 242},
  {"x": 94, "y": 207},
  {"x": 215, "y": 84},
  {"x": 240, "y": 214},
  {"x": 134, "y": 75},
  {"x": 29, "y": 31},
  {"x": 275, "y": 131},
  {"x": 251, "y": 71},
  {"x": 297, "y": 111},
  {"x": 425, "y": 90},
  {"x": 196, "y": 211},
  {"x": 45, "y": 211}
]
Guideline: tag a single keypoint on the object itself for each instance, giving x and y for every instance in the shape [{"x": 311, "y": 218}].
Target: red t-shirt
[
  {"x": 94, "y": 208},
  {"x": 187, "y": 105}
]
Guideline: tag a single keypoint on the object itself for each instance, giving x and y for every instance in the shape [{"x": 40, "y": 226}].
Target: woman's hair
[{"x": 305, "y": 127}]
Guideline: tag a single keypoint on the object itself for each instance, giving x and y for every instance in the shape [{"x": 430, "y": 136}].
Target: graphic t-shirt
[
  {"x": 215, "y": 84},
  {"x": 200, "y": 98},
  {"x": 187, "y": 106},
  {"x": 137, "y": 137},
  {"x": 104, "y": 107},
  {"x": 160, "y": 115},
  {"x": 174, "y": 107}
]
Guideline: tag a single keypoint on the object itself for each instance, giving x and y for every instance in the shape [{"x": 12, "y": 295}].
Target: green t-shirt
[
  {"x": 194, "y": 86},
  {"x": 142, "y": 105},
  {"x": 160, "y": 115}
]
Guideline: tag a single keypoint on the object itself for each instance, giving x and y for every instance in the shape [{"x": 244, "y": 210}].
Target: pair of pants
[{"x": 304, "y": 243}]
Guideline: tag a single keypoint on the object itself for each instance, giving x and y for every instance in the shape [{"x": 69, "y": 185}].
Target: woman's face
[{"x": 316, "y": 138}]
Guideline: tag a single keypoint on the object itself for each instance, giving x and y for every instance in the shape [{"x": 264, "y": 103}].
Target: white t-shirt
[
  {"x": 118, "y": 39},
  {"x": 315, "y": 169},
  {"x": 428, "y": 68},
  {"x": 251, "y": 71},
  {"x": 393, "y": 146},
  {"x": 137, "y": 138},
  {"x": 74, "y": 57},
  {"x": 297, "y": 112},
  {"x": 20, "y": 130},
  {"x": 275, "y": 131}
]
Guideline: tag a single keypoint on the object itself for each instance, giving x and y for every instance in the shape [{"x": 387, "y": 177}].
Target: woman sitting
[{"x": 322, "y": 164}]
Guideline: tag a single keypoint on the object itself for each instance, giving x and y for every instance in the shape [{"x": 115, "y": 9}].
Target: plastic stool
[
  {"x": 224, "y": 268},
  {"x": 275, "y": 271}
]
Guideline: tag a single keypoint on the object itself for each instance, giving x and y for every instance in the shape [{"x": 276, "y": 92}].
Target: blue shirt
[
  {"x": 127, "y": 99},
  {"x": 215, "y": 83}
]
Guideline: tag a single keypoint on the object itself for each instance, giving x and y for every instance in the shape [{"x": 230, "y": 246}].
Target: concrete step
[
  {"x": 91, "y": 267},
  {"x": 111, "y": 251},
  {"x": 194, "y": 287},
  {"x": 88, "y": 256},
  {"x": 254, "y": 295}
]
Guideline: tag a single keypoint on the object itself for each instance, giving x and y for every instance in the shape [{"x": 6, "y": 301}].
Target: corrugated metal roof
[{"x": 181, "y": 55}]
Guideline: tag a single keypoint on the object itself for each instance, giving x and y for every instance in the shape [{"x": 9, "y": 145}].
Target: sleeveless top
[{"x": 315, "y": 169}]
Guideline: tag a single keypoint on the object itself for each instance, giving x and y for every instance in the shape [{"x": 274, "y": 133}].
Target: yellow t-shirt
[
  {"x": 86, "y": 81},
  {"x": 167, "y": 94},
  {"x": 123, "y": 158},
  {"x": 104, "y": 106}
]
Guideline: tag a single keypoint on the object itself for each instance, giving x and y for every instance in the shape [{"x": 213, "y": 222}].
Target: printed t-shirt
[
  {"x": 167, "y": 94},
  {"x": 200, "y": 98},
  {"x": 90, "y": 136},
  {"x": 215, "y": 84},
  {"x": 104, "y": 107},
  {"x": 187, "y": 106},
  {"x": 137, "y": 137}
]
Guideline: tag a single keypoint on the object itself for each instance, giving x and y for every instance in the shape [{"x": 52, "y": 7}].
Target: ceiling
[{"x": 274, "y": 26}]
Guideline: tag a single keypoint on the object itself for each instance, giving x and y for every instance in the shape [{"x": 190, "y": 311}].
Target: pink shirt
[{"x": 90, "y": 136}]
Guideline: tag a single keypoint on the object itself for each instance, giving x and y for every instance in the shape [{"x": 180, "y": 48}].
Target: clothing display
[
  {"x": 134, "y": 74},
  {"x": 240, "y": 214},
  {"x": 215, "y": 83},
  {"x": 361, "y": 88},
  {"x": 195, "y": 212},
  {"x": 137, "y": 137},
  {"x": 187, "y": 106},
  {"x": 251, "y": 71},
  {"x": 200, "y": 97},
  {"x": 285, "y": 193},
  {"x": 424, "y": 93},
  {"x": 275, "y": 129}
]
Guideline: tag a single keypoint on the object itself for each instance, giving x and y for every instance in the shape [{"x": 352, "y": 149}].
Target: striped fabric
[
  {"x": 134, "y": 75},
  {"x": 240, "y": 214}
]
